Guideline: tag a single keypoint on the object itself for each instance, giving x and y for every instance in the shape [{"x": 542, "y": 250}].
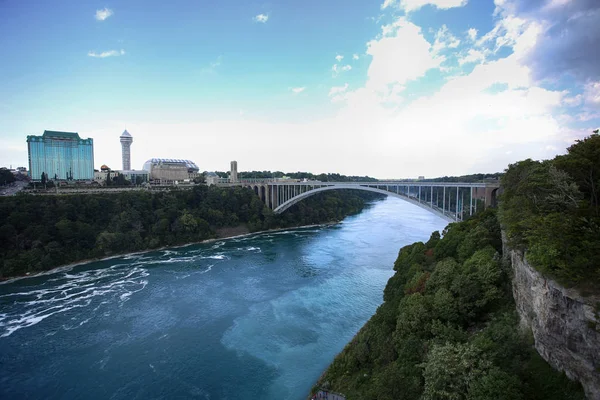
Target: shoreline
[{"x": 68, "y": 267}]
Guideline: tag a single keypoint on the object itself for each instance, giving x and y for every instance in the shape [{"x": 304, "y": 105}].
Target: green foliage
[
  {"x": 6, "y": 177},
  {"x": 551, "y": 211},
  {"x": 329, "y": 177},
  {"x": 447, "y": 329},
  {"x": 41, "y": 232}
]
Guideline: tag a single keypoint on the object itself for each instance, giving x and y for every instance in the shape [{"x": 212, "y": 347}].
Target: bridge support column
[
  {"x": 471, "y": 202},
  {"x": 419, "y": 194},
  {"x": 456, "y": 211},
  {"x": 444, "y": 201},
  {"x": 431, "y": 198}
]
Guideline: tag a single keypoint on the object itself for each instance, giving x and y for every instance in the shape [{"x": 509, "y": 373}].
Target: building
[
  {"x": 168, "y": 170},
  {"x": 61, "y": 156},
  {"x": 233, "y": 175},
  {"x": 100, "y": 176},
  {"x": 126, "y": 140},
  {"x": 135, "y": 177},
  {"x": 212, "y": 178}
]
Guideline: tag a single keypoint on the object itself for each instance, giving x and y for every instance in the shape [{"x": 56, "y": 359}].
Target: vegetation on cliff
[
  {"x": 551, "y": 210},
  {"x": 447, "y": 329},
  {"x": 38, "y": 233}
]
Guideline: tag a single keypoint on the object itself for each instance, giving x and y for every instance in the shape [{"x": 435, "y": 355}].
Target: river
[{"x": 256, "y": 317}]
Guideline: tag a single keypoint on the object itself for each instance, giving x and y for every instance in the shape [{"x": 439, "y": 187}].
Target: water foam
[{"x": 94, "y": 289}]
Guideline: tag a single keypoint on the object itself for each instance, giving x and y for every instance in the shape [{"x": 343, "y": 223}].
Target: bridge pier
[
  {"x": 471, "y": 204},
  {"x": 456, "y": 209},
  {"x": 444, "y": 201}
]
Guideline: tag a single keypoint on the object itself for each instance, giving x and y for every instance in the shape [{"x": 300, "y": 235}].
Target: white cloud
[
  {"x": 104, "y": 54},
  {"x": 339, "y": 58},
  {"x": 556, "y": 4},
  {"x": 472, "y": 34},
  {"x": 413, "y": 5},
  {"x": 444, "y": 39},
  {"x": 592, "y": 93},
  {"x": 587, "y": 116},
  {"x": 101, "y": 15},
  {"x": 337, "y": 69},
  {"x": 573, "y": 101},
  {"x": 472, "y": 56},
  {"x": 338, "y": 89},
  {"x": 337, "y": 93},
  {"x": 569, "y": 29},
  {"x": 297, "y": 90},
  {"x": 387, "y": 3},
  {"x": 355, "y": 56},
  {"x": 262, "y": 18},
  {"x": 400, "y": 55}
]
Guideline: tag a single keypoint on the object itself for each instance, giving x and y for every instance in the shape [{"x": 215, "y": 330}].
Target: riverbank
[
  {"x": 222, "y": 234},
  {"x": 39, "y": 234}
]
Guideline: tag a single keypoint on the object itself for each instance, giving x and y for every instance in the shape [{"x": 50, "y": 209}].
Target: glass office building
[{"x": 61, "y": 155}]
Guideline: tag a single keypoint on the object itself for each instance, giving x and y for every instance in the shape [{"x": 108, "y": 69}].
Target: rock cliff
[{"x": 565, "y": 325}]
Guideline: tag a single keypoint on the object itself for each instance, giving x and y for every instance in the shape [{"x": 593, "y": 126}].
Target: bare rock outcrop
[{"x": 565, "y": 325}]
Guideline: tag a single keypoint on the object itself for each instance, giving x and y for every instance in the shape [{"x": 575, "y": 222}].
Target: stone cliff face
[{"x": 565, "y": 325}]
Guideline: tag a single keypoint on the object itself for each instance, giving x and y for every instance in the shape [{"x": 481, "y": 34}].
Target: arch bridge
[{"x": 452, "y": 201}]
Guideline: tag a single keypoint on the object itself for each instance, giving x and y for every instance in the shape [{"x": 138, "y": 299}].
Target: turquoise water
[{"x": 258, "y": 317}]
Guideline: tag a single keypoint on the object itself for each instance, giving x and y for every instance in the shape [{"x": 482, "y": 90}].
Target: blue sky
[{"x": 415, "y": 82}]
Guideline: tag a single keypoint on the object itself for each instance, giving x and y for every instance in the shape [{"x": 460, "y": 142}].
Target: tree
[
  {"x": 200, "y": 179},
  {"x": 6, "y": 177},
  {"x": 582, "y": 162},
  {"x": 451, "y": 369},
  {"x": 119, "y": 180},
  {"x": 44, "y": 179}
]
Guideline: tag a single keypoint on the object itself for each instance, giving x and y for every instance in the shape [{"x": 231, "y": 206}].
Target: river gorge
[{"x": 255, "y": 317}]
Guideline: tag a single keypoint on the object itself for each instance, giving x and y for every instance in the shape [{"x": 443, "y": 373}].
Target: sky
[{"x": 386, "y": 88}]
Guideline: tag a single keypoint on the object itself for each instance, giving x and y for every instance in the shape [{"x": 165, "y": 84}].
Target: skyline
[{"x": 392, "y": 88}]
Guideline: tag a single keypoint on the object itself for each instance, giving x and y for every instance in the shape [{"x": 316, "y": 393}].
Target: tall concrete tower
[
  {"x": 233, "y": 174},
  {"x": 126, "y": 141}
]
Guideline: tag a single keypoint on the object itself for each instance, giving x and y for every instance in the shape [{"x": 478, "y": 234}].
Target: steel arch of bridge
[{"x": 279, "y": 196}]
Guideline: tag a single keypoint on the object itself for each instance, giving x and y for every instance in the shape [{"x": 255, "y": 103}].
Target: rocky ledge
[{"x": 565, "y": 325}]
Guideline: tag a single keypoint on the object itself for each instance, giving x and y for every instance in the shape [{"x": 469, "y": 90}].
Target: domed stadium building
[{"x": 168, "y": 170}]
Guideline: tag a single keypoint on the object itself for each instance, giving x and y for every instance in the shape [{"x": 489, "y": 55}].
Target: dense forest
[
  {"x": 550, "y": 210},
  {"x": 466, "y": 178},
  {"x": 329, "y": 177},
  {"x": 38, "y": 233},
  {"x": 447, "y": 329}
]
